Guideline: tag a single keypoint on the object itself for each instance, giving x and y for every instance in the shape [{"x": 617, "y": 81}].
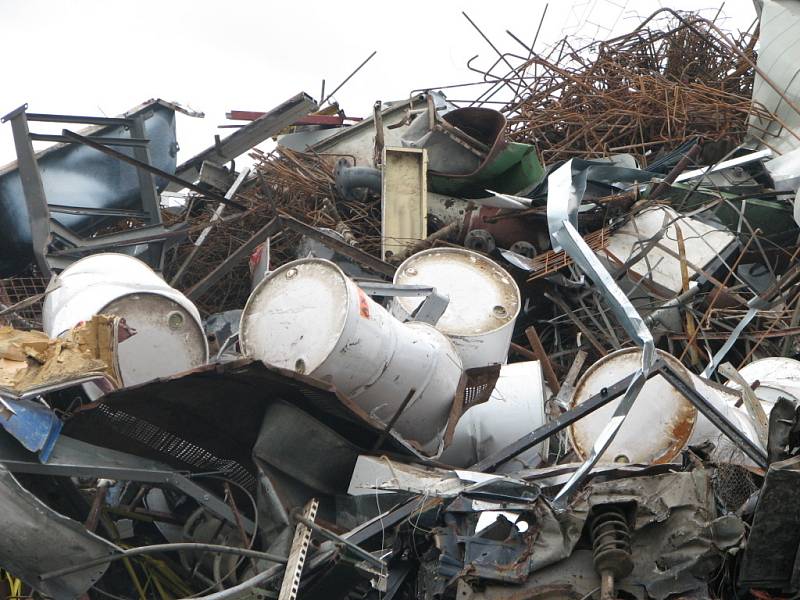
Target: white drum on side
[
  {"x": 661, "y": 422},
  {"x": 776, "y": 376},
  {"x": 307, "y": 316},
  {"x": 169, "y": 335}
]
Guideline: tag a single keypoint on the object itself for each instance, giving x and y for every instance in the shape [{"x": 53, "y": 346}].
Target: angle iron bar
[
  {"x": 110, "y": 141},
  {"x": 79, "y": 119},
  {"x": 713, "y": 414},
  {"x": 367, "y": 260}
]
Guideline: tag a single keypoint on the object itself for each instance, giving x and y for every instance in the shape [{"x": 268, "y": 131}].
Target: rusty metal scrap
[
  {"x": 507, "y": 420},
  {"x": 672, "y": 78}
]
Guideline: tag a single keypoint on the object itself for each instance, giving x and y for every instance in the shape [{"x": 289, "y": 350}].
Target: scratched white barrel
[
  {"x": 661, "y": 422},
  {"x": 776, "y": 376},
  {"x": 515, "y": 408},
  {"x": 169, "y": 333},
  {"x": 307, "y": 316},
  {"x": 484, "y": 301}
]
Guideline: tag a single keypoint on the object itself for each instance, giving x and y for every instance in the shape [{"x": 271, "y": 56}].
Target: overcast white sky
[{"x": 101, "y": 57}]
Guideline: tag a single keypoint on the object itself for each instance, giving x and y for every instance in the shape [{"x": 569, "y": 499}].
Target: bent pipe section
[{"x": 350, "y": 179}]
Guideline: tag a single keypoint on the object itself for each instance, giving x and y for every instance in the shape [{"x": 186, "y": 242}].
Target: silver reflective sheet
[{"x": 565, "y": 188}]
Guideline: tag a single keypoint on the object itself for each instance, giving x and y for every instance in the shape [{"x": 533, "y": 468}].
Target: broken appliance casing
[
  {"x": 169, "y": 334},
  {"x": 308, "y": 317},
  {"x": 661, "y": 422},
  {"x": 484, "y": 301}
]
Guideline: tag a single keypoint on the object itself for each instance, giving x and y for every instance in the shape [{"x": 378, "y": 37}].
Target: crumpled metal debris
[{"x": 580, "y": 382}]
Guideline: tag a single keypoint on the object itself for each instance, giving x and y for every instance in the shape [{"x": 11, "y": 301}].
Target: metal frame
[
  {"x": 73, "y": 458},
  {"x": 44, "y": 230}
]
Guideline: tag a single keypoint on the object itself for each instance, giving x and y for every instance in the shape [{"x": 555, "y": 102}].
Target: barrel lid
[
  {"x": 658, "y": 425},
  {"x": 311, "y": 291},
  {"x": 483, "y": 296},
  {"x": 169, "y": 339}
]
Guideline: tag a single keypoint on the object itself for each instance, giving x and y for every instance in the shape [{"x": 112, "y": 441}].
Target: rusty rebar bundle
[{"x": 642, "y": 93}]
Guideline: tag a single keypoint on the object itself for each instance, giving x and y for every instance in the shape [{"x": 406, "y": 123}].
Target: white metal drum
[
  {"x": 169, "y": 334},
  {"x": 515, "y": 408},
  {"x": 777, "y": 376},
  {"x": 307, "y": 316},
  {"x": 661, "y": 422},
  {"x": 484, "y": 301}
]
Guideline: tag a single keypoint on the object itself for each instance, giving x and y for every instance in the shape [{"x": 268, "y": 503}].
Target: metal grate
[
  {"x": 476, "y": 394},
  {"x": 479, "y": 385},
  {"x": 175, "y": 447},
  {"x": 16, "y": 289},
  {"x": 733, "y": 485}
]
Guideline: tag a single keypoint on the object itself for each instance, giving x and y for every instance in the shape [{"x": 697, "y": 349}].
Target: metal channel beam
[{"x": 252, "y": 134}]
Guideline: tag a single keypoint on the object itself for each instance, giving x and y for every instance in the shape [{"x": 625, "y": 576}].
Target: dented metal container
[
  {"x": 169, "y": 336},
  {"x": 484, "y": 301},
  {"x": 309, "y": 317},
  {"x": 661, "y": 422},
  {"x": 515, "y": 408}
]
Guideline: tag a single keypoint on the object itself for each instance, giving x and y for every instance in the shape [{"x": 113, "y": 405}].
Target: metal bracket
[
  {"x": 432, "y": 307},
  {"x": 298, "y": 552}
]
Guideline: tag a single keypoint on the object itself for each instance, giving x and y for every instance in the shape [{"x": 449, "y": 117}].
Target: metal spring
[{"x": 610, "y": 533}]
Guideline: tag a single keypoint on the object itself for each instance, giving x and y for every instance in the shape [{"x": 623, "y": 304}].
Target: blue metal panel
[{"x": 35, "y": 426}]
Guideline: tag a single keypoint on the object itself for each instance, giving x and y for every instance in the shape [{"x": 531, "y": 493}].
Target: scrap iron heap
[{"x": 540, "y": 343}]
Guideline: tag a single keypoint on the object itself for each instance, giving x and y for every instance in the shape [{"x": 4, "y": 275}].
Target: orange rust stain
[
  {"x": 679, "y": 431},
  {"x": 363, "y": 305}
]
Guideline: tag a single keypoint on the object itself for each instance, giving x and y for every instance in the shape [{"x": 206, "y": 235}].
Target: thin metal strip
[
  {"x": 564, "y": 193},
  {"x": 297, "y": 555}
]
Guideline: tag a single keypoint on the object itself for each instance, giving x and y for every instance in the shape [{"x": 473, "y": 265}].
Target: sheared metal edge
[
  {"x": 37, "y": 539},
  {"x": 565, "y": 188}
]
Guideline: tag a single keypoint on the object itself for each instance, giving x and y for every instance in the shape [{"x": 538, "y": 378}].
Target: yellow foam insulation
[{"x": 30, "y": 359}]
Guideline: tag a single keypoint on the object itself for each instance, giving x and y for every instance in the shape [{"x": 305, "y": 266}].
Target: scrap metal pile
[{"x": 442, "y": 352}]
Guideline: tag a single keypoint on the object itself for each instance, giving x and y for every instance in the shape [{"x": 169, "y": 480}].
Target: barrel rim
[{"x": 271, "y": 276}]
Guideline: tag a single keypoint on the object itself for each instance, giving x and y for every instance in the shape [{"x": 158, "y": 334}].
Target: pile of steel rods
[{"x": 640, "y": 93}]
